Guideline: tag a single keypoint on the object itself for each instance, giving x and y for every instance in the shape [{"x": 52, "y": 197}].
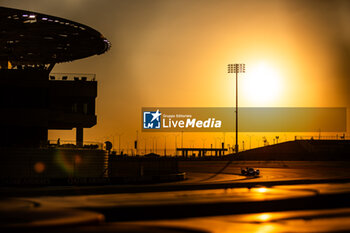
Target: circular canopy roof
[{"x": 28, "y": 38}]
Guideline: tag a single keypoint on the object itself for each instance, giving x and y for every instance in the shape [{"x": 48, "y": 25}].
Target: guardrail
[
  {"x": 72, "y": 144},
  {"x": 72, "y": 76},
  {"x": 336, "y": 137}
]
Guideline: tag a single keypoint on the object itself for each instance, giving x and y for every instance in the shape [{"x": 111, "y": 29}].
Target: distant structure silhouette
[
  {"x": 32, "y": 100},
  {"x": 109, "y": 146}
]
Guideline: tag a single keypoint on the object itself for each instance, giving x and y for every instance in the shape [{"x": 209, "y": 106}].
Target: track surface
[{"x": 287, "y": 196}]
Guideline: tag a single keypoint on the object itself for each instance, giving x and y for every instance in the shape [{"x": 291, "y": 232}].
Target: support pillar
[{"x": 79, "y": 136}]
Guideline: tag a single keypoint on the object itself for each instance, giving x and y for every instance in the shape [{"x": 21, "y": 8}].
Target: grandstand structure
[{"x": 32, "y": 100}]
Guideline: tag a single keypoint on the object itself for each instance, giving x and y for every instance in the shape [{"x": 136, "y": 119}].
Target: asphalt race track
[{"x": 287, "y": 196}]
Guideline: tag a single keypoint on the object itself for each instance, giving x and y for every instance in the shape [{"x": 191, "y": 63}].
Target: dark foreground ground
[{"x": 286, "y": 197}]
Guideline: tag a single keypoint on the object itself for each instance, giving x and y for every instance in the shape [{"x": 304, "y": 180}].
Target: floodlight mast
[{"x": 236, "y": 68}]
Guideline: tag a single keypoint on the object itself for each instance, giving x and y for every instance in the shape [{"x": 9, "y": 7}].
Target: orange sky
[{"x": 169, "y": 53}]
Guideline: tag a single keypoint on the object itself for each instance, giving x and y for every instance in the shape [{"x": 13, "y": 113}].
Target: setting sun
[{"x": 262, "y": 84}]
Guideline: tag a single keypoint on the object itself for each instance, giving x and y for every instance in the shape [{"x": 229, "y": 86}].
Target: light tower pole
[{"x": 236, "y": 68}]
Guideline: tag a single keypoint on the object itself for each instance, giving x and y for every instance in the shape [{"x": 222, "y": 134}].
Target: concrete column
[{"x": 79, "y": 136}]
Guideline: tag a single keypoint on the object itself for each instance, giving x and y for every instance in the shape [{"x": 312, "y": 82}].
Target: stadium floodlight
[{"x": 235, "y": 69}]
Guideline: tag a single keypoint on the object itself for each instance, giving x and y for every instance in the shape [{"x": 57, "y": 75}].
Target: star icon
[{"x": 156, "y": 115}]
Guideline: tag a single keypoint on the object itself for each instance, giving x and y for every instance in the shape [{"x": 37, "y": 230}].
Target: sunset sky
[{"x": 174, "y": 53}]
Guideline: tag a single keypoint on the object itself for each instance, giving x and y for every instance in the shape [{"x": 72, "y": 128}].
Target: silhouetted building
[{"x": 31, "y": 99}]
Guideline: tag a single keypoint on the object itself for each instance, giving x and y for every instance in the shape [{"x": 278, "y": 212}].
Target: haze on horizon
[{"x": 174, "y": 54}]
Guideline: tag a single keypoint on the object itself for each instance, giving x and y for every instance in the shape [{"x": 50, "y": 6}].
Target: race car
[{"x": 249, "y": 171}]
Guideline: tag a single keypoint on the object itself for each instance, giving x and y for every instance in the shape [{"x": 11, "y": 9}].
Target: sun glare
[
  {"x": 264, "y": 217},
  {"x": 262, "y": 84},
  {"x": 262, "y": 190}
]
